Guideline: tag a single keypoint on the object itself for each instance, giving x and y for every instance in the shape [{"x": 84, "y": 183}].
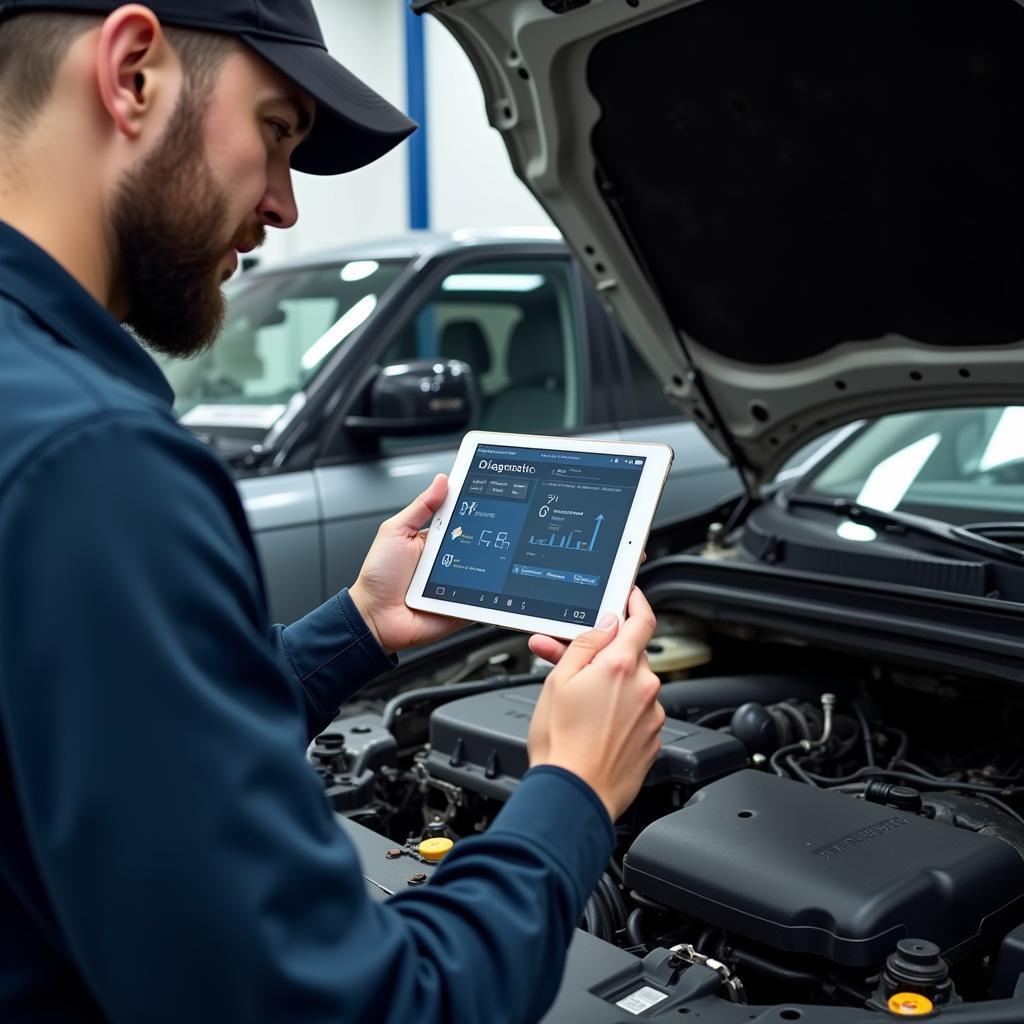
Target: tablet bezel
[{"x": 631, "y": 546}]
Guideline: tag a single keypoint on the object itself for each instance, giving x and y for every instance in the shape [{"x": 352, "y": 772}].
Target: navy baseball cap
[{"x": 354, "y": 126}]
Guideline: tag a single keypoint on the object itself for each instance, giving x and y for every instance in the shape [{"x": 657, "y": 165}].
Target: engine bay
[{"x": 832, "y": 835}]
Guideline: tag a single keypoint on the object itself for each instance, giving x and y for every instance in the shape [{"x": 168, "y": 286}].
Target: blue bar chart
[{"x": 566, "y": 539}]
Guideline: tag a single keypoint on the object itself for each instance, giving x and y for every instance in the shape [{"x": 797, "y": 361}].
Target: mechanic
[{"x": 168, "y": 853}]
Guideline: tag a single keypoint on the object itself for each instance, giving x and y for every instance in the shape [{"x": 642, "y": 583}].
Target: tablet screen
[{"x": 536, "y": 532}]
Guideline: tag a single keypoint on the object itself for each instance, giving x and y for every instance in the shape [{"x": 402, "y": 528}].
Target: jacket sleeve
[
  {"x": 330, "y": 654},
  {"x": 185, "y": 844}
]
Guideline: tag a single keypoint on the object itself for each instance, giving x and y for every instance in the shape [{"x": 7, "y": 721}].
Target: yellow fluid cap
[
  {"x": 910, "y": 1004},
  {"x": 435, "y": 849}
]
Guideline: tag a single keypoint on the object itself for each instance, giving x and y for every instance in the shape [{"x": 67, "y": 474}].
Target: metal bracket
[
  {"x": 733, "y": 986},
  {"x": 452, "y": 793}
]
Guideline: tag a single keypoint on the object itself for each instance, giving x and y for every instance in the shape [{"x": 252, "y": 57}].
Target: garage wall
[
  {"x": 471, "y": 183},
  {"x": 367, "y": 37}
]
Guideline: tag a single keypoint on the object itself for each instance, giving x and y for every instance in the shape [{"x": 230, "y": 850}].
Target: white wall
[
  {"x": 367, "y": 36},
  {"x": 471, "y": 182}
]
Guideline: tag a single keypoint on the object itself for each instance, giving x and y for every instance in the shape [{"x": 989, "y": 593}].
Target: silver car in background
[{"x": 343, "y": 382}]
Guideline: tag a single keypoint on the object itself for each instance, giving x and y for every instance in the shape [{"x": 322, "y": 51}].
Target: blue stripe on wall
[{"x": 416, "y": 96}]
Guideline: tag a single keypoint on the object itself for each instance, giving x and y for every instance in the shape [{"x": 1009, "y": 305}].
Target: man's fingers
[
  {"x": 637, "y": 630},
  {"x": 640, "y": 621},
  {"x": 421, "y": 508},
  {"x": 638, "y": 607},
  {"x": 582, "y": 650},
  {"x": 548, "y": 648}
]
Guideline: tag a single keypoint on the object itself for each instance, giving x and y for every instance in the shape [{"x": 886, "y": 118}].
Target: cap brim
[{"x": 354, "y": 125}]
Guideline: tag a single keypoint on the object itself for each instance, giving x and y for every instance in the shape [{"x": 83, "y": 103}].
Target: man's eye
[{"x": 281, "y": 131}]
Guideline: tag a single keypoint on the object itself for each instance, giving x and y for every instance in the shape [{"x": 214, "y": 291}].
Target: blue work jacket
[{"x": 166, "y": 851}]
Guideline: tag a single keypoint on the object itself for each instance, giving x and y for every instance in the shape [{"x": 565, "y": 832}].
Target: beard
[{"x": 170, "y": 224}]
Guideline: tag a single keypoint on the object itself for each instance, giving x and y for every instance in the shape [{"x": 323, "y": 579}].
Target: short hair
[{"x": 32, "y": 47}]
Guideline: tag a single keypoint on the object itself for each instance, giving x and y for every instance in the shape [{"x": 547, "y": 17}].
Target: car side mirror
[{"x": 422, "y": 396}]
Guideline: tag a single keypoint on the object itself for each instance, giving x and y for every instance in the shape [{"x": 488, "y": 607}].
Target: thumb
[
  {"x": 421, "y": 508},
  {"x": 583, "y": 649}
]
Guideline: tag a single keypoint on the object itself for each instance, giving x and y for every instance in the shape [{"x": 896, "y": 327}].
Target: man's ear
[{"x": 131, "y": 61}]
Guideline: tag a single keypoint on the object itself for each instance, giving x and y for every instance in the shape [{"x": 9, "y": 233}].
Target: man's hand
[
  {"x": 379, "y": 592},
  {"x": 598, "y": 715}
]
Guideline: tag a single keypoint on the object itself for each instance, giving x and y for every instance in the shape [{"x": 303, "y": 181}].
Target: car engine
[{"x": 835, "y": 833}]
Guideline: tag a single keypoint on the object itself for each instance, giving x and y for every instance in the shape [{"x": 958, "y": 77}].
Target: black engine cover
[
  {"x": 809, "y": 871},
  {"x": 479, "y": 743}
]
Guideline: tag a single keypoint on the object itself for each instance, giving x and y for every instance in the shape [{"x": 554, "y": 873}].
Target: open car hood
[{"x": 803, "y": 213}]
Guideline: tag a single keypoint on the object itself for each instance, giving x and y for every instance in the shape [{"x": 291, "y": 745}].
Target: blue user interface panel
[{"x": 536, "y": 532}]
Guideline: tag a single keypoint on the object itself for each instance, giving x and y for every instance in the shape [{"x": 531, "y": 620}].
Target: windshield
[
  {"x": 280, "y": 330},
  {"x": 957, "y": 465}
]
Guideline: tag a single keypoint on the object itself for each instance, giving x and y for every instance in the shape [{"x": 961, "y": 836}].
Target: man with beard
[{"x": 168, "y": 854}]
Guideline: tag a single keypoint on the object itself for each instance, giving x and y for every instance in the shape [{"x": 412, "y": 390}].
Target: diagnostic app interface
[{"x": 536, "y": 532}]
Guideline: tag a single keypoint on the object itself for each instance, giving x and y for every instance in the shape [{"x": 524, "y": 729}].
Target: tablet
[{"x": 541, "y": 534}]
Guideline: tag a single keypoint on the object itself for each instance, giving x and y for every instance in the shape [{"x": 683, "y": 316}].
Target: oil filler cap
[
  {"x": 910, "y": 1004},
  {"x": 433, "y": 850}
]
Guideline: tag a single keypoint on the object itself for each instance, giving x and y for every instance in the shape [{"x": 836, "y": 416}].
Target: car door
[
  {"x": 260, "y": 353},
  {"x": 283, "y": 511},
  {"x": 517, "y": 321}
]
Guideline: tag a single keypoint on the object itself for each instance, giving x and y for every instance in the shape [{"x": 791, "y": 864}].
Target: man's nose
[{"x": 278, "y": 207}]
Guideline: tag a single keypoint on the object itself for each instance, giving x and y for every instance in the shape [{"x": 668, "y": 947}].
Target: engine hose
[
  {"x": 598, "y": 918},
  {"x": 795, "y": 769},
  {"x": 615, "y": 871},
  {"x": 742, "y": 960},
  {"x": 775, "y": 763},
  {"x": 618, "y": 905},
  {"x": 902, "y": 740},
  {"x": 605, "y": 915},
  {"x": 635, "y": 928},
  {"x": 704, "y": 940},
  {"x": 710, "y": 717},
  {"x": 397, "y": 705},
  {"x": 800, "y": 724},
  {"x": 869, "y": 750},
  {"x": 808, "y": 746},
  {"x": 731, "y": 691},
  {"x": 647, "y": 903},
  {"x": 918, "y": 781},
  {"x": 845, "y": 746}
]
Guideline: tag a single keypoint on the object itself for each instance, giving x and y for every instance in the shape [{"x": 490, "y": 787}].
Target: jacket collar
[{"x": 35, "y": 281}]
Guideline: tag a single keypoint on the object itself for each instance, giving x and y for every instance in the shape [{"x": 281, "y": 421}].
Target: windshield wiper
[
  {"x": 997, "y": 531},
  {"x": 897, "y": 523}
]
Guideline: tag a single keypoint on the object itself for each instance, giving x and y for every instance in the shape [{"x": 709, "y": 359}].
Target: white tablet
[{"x": 541, "y": 534}]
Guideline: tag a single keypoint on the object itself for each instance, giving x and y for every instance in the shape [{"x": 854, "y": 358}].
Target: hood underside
[{"x": 802, "y": 213}]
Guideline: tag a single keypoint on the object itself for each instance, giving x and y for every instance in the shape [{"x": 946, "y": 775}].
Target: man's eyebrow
[{"x": 303, "y": 118}]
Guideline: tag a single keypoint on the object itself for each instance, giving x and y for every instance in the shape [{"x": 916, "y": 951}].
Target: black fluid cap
[
  {"x": 917, "y": 966},
  {"x": 918, "y": 951}
]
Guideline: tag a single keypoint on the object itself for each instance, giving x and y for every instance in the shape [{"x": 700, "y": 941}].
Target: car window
[
  {"x": 959, "y": 465},
  {"x": 649, "y": 399},
  {"x": 515, "y": 322},
  {"x": 279, "y": 331}
]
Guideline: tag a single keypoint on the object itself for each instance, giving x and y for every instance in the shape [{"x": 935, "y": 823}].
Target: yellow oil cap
[
  {"x": 910, "y": 1004},
  {"x": 434, "y": 850}
]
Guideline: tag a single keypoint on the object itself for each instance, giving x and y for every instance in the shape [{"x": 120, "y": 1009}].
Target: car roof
[{"x": 422, "y": 245}]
